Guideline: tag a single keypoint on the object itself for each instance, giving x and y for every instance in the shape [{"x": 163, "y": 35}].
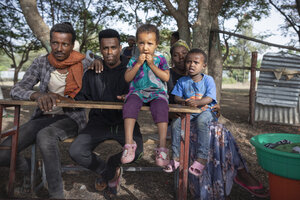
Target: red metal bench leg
[
  {"x": 184, "y": 158},
  {"x": 14, "y": 147},
  {"x": 186, "y": 155},
  {"x": 181, "y": 159},
  {"x": 1, "y": 116}
]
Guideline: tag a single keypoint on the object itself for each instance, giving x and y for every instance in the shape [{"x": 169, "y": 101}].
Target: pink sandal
[
  {"x": 128, "y": 153},
  {"x": 114, "y": 186},
  {"x": 172, "y": 166},
  {"x": 162, "y": 156},
  {"x": 196, "y": 168}
]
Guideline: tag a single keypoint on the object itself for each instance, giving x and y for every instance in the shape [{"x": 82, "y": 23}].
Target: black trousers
[{"x": 81, "y": 150}]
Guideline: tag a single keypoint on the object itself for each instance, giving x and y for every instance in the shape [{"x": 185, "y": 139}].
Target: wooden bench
[
  {"x": 184, "y": 145},
  {"x": 14, "y": 132}
]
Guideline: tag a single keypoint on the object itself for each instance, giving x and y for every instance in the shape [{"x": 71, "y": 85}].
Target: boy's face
[
  {"x": 194, "y": 63},
  {"x": 147, "y": 43}
]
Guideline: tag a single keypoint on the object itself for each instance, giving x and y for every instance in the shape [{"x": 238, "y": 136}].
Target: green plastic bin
[{"x": 277, "y": 162}]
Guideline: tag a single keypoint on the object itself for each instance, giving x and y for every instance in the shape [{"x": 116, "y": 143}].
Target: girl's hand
[
  {"x": 141, "y": 59},
  {"x": 149, "y": 59}
]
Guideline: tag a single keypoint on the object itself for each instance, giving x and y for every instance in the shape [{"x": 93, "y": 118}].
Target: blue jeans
[
  {"x": 45, "y": 131},
  {"x": 202, "y": 121}
]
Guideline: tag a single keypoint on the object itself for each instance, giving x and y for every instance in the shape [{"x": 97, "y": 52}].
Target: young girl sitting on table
[{"x": 147, "y": 75}]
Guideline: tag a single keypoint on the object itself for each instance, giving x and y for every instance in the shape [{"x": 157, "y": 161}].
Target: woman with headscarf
[{"x": 225, "y": 164}]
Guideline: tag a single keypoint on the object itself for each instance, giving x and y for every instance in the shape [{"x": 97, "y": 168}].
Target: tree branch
[
  {"x": 11, "y": 7},
  {"x": 26, "y": 52},
  {"x": 171, "y": 9},
  {"x": 256, "y": 40},
  {"x": 161, "y": 9},
  {"x": 285, "y": 16}
]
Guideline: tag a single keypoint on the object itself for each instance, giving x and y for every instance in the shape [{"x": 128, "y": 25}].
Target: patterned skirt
[{"x": 223, "y": 162}]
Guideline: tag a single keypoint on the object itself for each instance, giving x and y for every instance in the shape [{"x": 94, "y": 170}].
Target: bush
[
  {"x": 228, "y": 80},
  {"x": 3, "y": 68}
]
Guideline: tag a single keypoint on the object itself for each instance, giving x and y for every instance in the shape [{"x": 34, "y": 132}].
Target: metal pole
[
  {"x": 252, "y": 88},
  {"x": 181, "y": 161}
]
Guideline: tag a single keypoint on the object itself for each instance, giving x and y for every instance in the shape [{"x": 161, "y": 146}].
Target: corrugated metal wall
[{"x": 277, "y": 101}]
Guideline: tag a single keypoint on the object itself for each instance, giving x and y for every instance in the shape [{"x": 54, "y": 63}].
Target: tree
[
  {"x": 196, "y": 18},
  {"x": 242, "y": 12},
  {"x": 16, "y": 38},
  {"x": 129, "y": 11},
  {"x": 197, "y": 15},
  {"x": 87, "y": 17},
  {"x": 290, "y": 10},
  {"x": 240, "y": 53},
  {"x": 35, "y": 22}
]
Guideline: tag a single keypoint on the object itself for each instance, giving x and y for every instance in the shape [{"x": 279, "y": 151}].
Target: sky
[{"x": 271, "y": 24}]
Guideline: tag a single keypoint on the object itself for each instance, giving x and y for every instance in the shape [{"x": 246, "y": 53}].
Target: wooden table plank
[{"x": 99, "y": 105}]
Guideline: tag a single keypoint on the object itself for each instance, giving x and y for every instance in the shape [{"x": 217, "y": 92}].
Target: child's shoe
[
  {"x": 172, "y": 166},
  {"x": 162, "y": 156},
  {"x": 196, "y": 168},
  {"x": 128, "y": 153}
]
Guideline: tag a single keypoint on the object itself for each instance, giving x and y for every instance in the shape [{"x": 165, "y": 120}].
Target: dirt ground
[{"x": 156, "y": 185}]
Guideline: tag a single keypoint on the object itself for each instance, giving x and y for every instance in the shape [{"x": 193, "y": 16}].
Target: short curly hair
[
  {"x": 109, "y": 33},
  {"x": 65, "y": 27},
  {"x": 198, "y": 51},
  {"x": 148, "y": 28}
]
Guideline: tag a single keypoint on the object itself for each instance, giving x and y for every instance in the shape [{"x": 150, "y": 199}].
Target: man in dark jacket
[{"x": 104, "y": 124}]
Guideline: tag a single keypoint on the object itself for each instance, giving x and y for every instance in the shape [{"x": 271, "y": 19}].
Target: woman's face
[{"x": 178, "y": 57}]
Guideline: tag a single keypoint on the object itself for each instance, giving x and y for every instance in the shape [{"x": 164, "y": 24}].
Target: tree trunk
[
  {"x": 36, "y": 22},
  {"x": 184, "y": 30},
  {"x": 201, "y": 28},
  {"x": 298, "y": 6},
  {"x": 16, "y": 74},
  {"x": 215, "y": 62}
]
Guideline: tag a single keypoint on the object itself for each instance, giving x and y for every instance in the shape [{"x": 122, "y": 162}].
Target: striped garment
[{"x": 39, "y": 72}]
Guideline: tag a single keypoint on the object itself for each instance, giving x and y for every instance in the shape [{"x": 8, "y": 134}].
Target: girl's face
[
  {"x": 194, "y": 63},
  {"x": 178, "y": 57},
  {"x": 146, "y": 43}
]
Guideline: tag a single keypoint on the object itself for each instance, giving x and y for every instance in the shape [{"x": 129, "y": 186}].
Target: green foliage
[
  {"x": 88, "y": 18},
  {"x": 6, "y": 62},
  {"x": 137, "y": 12},
  {"x": 240, "y": 54},
  {"x": 3, "y": 68},
  {"x": 229, "y": 80},
  {"x": 15, "y": 35},
  {"x": 16, "y": 38},
  {"x": 247, "y": 9},
  {"x": 291, "y": 14}
]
